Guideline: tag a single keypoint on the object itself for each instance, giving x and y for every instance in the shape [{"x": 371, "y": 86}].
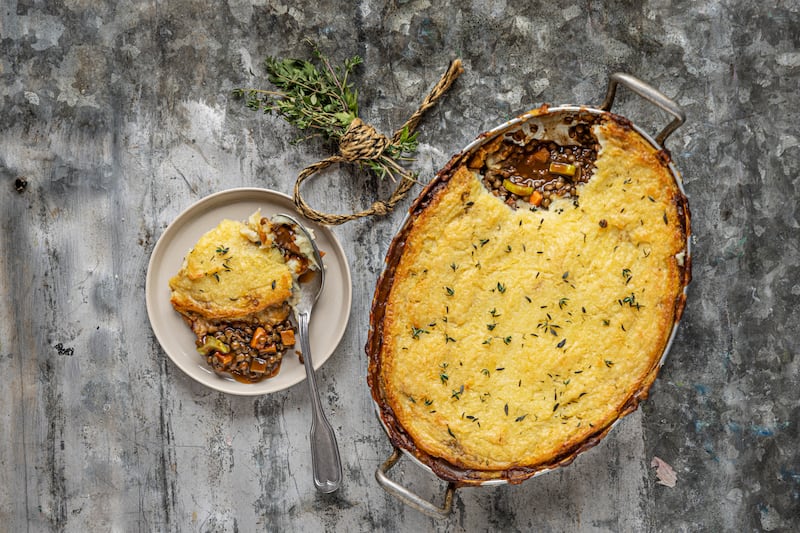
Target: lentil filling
[
  {"x": 248, "y": 352},
  {"x": 532, "y": 174}
]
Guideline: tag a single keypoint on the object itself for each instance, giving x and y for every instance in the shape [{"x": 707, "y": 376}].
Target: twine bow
[{"x": 361, "y": 142}]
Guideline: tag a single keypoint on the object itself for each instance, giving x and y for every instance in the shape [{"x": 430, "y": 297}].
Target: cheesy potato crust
[
  {"x": 511, "y": 338},
  {"x": 231, "y": 274}
]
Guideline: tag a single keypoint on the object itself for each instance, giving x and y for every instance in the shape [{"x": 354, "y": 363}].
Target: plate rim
[{"x": 180, "y": 221}]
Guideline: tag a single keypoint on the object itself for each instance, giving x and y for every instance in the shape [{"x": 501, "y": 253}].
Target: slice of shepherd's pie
[{"x": 234, "y": 290}]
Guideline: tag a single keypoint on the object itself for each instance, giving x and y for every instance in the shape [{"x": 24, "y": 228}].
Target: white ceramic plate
[{"x": 328, "y": 320}]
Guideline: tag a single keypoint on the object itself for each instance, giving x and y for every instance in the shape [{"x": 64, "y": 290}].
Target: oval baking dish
[{"x": 530, "y": 296}]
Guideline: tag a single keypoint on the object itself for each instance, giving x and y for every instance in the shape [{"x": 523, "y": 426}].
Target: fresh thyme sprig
[{"x": 320, "y": 100}]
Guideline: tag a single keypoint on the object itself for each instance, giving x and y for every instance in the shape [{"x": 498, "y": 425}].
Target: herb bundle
[{"x": 319, "y": 99}]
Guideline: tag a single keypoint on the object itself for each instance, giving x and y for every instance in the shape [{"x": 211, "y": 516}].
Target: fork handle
[{"x": 325, "y": 458}]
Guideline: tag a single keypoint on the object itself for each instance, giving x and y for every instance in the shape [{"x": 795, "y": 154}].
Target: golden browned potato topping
[{"x": 511, "y": 336}]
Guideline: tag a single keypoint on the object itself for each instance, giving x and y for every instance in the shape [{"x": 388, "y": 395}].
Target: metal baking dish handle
[
  {"x": 649, "y": 93},
  {"x": 408, "y": 497}
]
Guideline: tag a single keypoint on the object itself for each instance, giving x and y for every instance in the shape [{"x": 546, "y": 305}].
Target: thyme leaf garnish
[
  {"x": 631, "y": 301},
  {"x": 415, "y": 332},
  {"x": 626, "y": 273},
  {"x": 443, "y": 374}
]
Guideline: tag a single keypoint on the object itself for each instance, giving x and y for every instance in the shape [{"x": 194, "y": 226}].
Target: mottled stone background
[{"x": 115, "y": 116}]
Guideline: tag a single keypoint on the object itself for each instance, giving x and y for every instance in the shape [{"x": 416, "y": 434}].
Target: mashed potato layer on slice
[{"x": 231, "y": 273}]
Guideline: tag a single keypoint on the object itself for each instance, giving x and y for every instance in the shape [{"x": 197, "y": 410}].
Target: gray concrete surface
[{"x": 115, "y": 116}]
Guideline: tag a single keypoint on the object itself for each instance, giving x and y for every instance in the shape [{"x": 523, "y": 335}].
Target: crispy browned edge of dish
[{"x": 397, "y": 434}]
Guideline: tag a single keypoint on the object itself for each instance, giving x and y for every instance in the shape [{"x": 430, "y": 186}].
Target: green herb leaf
[
  {"x": 415, "y": 332},
  {"x": 626, "y": 274},
  {"x": 317, "y": 98}
]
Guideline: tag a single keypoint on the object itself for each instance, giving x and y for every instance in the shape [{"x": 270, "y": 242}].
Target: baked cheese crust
[
  {"x": 511, "y": 338},
  {"x": 231, "y": 274}
]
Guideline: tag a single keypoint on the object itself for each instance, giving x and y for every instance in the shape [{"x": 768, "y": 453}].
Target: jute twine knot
[
  {"x": 362, "y": 142},
  {"x": 381, "y": 208}
]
